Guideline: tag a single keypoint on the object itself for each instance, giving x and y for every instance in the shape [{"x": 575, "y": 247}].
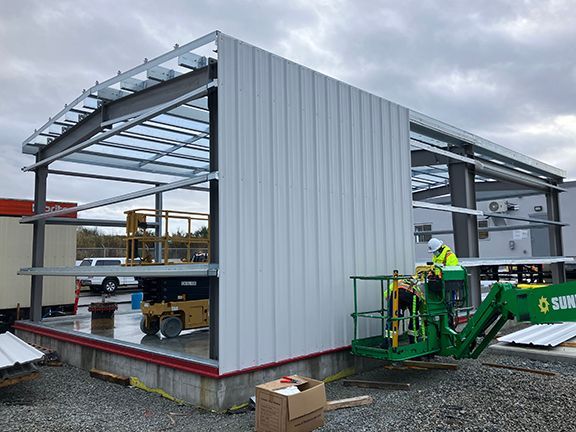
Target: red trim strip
[
  {"x": 283, "y": 362},
  {"x": 163, "y": 360}
]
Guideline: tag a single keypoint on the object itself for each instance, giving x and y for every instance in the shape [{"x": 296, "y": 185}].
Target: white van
[{"x": 107, "y": 284}]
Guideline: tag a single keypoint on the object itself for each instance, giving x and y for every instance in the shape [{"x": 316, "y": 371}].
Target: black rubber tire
[
  {"x": 152, "y": 328},
  {"x": 171, "y": 326},
  {"x": 109, "y": 285}
]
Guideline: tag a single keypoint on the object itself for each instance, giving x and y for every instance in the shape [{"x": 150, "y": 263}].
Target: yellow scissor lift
[{"x": 170, "y": 304}]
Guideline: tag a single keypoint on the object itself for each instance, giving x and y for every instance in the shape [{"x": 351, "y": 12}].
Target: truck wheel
[
  {"x": 150, "y": 328},
  {"x": 109, "y": 286},
  {"x": 171, "y": 326}
]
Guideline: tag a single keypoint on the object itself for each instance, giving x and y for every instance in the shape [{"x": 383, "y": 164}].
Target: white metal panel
[
  {"x": 542, "y": 334},
  {"x": 314, "y": 187},
  {"x": 16, "y": 252},
  {"x": 14, "y": 350}
]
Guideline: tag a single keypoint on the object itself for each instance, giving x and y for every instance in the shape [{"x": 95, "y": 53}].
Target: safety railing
[
  {"x": 393, "y": 321},
  {"x": 160, "y": 237}
]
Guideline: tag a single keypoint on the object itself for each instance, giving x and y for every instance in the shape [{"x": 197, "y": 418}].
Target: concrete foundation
[{"x": 194, "y": 381}]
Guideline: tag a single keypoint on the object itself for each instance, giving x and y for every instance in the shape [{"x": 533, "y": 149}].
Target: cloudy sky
[{"x": 503, "y": 69}]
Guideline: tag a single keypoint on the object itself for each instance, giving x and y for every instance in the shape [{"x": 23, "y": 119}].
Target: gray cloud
[{"x": 503, "y": 69}]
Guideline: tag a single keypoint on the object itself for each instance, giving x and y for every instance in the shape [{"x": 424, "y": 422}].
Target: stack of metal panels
[
  {"x": 16, "y": 360},
  {"x": 550, "y": 335}
]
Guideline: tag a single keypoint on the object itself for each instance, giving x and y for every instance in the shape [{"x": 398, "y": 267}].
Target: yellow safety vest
[
  {"x": 446, "y": 257},
  {"x": 416, "y": 292}
]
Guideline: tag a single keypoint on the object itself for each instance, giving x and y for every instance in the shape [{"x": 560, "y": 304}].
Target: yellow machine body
[{"x": 191, "y": 314}]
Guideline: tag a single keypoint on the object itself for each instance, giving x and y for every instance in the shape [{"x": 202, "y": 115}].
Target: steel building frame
[
  {"x": 154, "y": 118},
  {"x": 467, "y": 164},
  {"x": 161, "y": 118}
]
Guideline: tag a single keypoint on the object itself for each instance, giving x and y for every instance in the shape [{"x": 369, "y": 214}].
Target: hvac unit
[
  {"x": 498, "y": 206},
  {"x": 501, "y": 206}
]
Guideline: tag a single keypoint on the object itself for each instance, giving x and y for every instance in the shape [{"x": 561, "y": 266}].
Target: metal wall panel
[
  {"x": 314, "y": 187},
  {"x": 16, "y": 252}
]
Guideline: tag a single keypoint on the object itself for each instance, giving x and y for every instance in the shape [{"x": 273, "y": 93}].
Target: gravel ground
[{"x": 472, "y": 398}]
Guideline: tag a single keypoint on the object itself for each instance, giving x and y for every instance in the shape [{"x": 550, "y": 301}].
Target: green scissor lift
[{"x": 445, "y": 299}]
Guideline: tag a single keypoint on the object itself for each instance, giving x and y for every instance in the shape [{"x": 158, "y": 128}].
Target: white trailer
[{"x": 16, "y": 252}]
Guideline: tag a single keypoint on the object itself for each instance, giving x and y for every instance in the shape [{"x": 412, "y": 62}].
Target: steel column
[
  {"x": 214, "y": 225},
  {"x": 38, "y": 237},
  {"x": 555, "y": 234},
  {"x": 158, "y": 230},
  {"x": 463, "y": 194}
]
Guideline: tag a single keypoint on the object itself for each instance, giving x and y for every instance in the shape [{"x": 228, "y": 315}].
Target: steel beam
[
  {"x": 424, "y": 158},
  {"x": 177, "y": 147},
  {"x": 189, "y": 169},
  {"x": 478, "y": 262},
  {"x": 157, "y": 153},
  {"x": 126, "y": 108},
  {"x": 172, "y": 270},
  {"x": 102, "y": 159},
  {"x": 555, "y": 235},
  {"x": 485, "y": 191},
  {"x": 204, "y": 40},
  {"x": 489, "y": 229},
  {"x": 65, "y": 146},
  {"x": 434, "y": 155},
  {"x": 38, "y": 238},
  {"x": 499, "y": 172},
  {"x": 141, "y": 136},
  {"x": 214, "y": 227},
  {"x": 447, "y": 208},
  {"x": 126, "y": 197},
  {"x": 86, "y": 222},
  {"x": 463, "y": 194},
  {"x": 435, "y": 129},
  {"x": 119, "y": 179},
  {"x": 525, "y": 219}
]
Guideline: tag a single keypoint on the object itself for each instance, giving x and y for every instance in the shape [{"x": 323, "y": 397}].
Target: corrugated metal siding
[
  {"x": 16, "y": 252},
  {"x": 314, "y": 187},
  {"x": 14, "y": 350},
  {"x": 542, "y": 334}
]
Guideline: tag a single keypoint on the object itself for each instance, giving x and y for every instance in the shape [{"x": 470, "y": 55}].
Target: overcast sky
[{"x": 505, "y": 70}]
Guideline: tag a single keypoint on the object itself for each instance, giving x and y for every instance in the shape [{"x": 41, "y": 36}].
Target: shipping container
[{"x": 16, "y": 253}]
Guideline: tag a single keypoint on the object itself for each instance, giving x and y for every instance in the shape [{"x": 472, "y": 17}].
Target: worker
[
  {"x": 411, "y": 299},
  {"x": 442, "y": 256},
  {"x": 442, "y": 253}
]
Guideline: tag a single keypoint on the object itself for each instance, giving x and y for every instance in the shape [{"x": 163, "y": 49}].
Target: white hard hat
[{"x": 434, "y": 244}]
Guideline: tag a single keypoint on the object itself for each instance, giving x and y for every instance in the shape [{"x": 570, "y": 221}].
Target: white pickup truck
[{"x": 107, "y": 284}]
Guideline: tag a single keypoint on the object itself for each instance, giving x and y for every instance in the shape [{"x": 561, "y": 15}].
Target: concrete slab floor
[{"x": 194, "y": 343}]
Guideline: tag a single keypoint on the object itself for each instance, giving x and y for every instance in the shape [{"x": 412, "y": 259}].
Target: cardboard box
[{"x": 301, "y": 412}]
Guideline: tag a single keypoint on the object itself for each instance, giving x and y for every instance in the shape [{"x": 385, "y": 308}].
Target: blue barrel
[{"x": 136, "y": 299}]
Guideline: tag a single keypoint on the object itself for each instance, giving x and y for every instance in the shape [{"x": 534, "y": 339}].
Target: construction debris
[
  {"x": 110, "y": 377},
  {"x": 51, "y": 357},
  {"x": 17, "y": 374},
  {"x": 568, "y": 344},
  {"x": 348, "y": 403},
  {"x": 377, "y": 384},
  {"x": 17, "y": 360},
  {"x": 430, "y": 365},
  {"x": 521, "y": 369}
]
